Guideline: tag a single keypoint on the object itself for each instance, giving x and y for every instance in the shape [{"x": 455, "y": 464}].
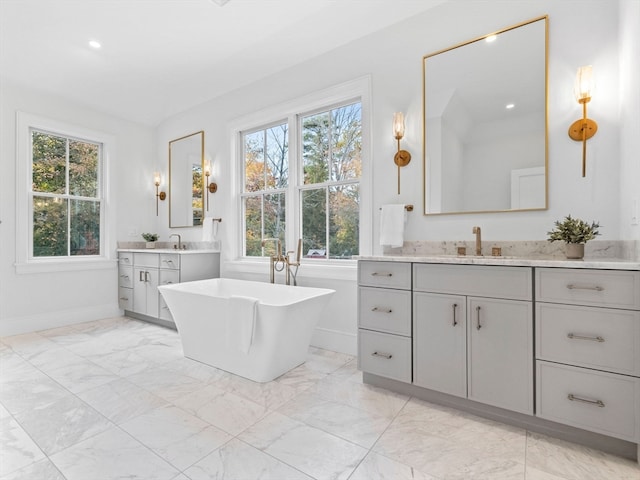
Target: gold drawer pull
[
  {"x": 573, "y": 398},
  {"x": 380, "y": 354},
  {"x": 383, "y": 274},
  {"x": 381, "y": 310},
  {"x": 596, "y": 288},
  {"x": 582, "y": 337}
]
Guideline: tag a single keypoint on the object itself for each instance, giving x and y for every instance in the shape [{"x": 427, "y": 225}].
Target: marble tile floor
[{"x": 115, "y": 399}]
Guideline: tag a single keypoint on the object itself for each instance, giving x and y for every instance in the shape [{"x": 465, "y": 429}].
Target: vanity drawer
[
  {"x": 385, "y": 355},
  {"x": 385, "y": 310},
  {"x": 167, "y": 277},
  {"x": 512, "y": 283},
  {"x": 600, "y": 338},
  {"x": 125, "y": 276},
  {"x": 385, "y": 274},
  {"x": 597, "y": 401},
  {"x": 125, "y": 258},
  {"x": 149, "y": 260},
  {"x": 170, "y": 260},
  {"x": 125, "y": 298},
  {"x": 605, "y": 288}
]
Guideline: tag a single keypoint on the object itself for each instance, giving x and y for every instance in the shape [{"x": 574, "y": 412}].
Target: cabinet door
[
  {"x": 500, "y": 353},
  {"x": 145, "y": 291},
  {"x": 439, "y": 343}
]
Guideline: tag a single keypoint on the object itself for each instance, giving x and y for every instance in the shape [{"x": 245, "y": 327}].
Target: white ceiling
[{"x": 160, "y": 57}]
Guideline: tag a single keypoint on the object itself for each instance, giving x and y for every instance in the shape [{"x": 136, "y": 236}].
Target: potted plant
[
  {"x": 575, "y": 233},
  {"x": 151, "y": 239}
]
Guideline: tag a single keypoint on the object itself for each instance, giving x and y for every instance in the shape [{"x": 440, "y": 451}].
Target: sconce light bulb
[
  {"x": 584, "y": 84},
  {"x": 398, "y": 125},
  {"x": 156, "y": 179}
]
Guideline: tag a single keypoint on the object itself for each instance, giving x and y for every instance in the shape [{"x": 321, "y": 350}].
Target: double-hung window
[
  {"x": 316, "y": 183},
  {"x": 62, "y": 219}
]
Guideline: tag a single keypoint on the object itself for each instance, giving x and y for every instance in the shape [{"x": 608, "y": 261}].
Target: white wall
[{"x": 33, "y": 301}]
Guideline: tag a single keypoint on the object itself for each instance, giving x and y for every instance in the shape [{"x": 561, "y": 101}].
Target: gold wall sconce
[
  {"x": 402, "y": 157},
  {"x": 159, "y": 195},
  {"x": 585, "y": 128},
  {"x": 211, "y": 187}
]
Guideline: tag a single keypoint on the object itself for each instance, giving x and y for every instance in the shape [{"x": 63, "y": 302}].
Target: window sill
[
  {"x": 64, "y": 265},
  {"x": 336, "y": 270}
]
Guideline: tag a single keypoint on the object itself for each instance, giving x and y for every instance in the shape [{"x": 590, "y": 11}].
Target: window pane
[
  {"x": 344, "y": 208},
  {"x": 83, "y": 169},
  {"x": 49, "y": 163},
  {"x": 346, "y": 132},
  {"x": 315, "y": 148},
  {"x": 274, "y": 218},
  {"x": 197, "y": 189},
  {"x": 85, "y": 227},
  {"x": 314, "y": 223},
  {"x": 254, "y": 161},
  {"x": 277, "y": 149},
  {"x": 253, "y": 226},
  {"x": 49, "y": 227}
]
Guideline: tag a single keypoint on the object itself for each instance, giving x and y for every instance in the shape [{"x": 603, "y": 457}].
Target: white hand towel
[
  {"x": 392, "y": 219},
  {"x": 241, "y": 323}
]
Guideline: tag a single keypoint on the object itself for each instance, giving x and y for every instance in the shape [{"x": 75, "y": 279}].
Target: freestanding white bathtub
[{"x": 286, "y": 317}]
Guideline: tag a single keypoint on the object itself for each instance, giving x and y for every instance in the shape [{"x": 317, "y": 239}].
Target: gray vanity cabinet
[{"x": 476, "y": 346}]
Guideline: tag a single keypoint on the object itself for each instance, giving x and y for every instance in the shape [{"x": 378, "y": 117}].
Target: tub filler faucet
[{"x": 279, "y": 262}]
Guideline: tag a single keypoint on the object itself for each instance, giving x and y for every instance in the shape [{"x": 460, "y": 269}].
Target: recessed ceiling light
[
  {"x": 94, "y": 44},
  {"x": 491, "y": 38},
  {"x": 509, "y": 106}
]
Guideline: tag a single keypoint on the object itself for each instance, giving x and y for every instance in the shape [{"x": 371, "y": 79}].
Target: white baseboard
[
  {"x": 335, "y": 340},
  {"x": 61, "y": 318}
]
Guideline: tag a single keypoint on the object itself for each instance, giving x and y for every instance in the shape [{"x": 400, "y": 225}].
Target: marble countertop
[{"x": 597, "y": 263}]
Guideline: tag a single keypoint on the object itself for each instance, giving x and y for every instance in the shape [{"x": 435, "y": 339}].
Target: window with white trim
[{"x": 318, "y": 182}]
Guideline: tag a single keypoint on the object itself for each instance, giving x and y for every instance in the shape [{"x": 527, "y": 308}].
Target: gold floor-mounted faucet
[
  {"x": 278, "y": 261},
  {"x": 476, "y": 230}
]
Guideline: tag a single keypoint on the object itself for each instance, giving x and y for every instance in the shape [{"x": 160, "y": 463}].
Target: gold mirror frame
[
  {"x": 186, "y": 181},
  {"x": 448, "y": 100}
]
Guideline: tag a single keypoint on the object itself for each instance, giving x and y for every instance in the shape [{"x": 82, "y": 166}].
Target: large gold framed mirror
[
  {"x": 186, "y": 164},
  {"x": 485, "y": 123}
]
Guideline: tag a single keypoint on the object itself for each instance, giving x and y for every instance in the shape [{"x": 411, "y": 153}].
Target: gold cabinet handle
[
  {"x": 381, "y": 310},
  {"x": 455, "y": 306},
  {"x": 382, "y": 274},
  {"x": 596, "y": 288},
  {"x": 583, "y": 337},
  {"x": 388, "y": 356},
  {"x": 478, "y": 325},
  {"x": 573, "y": 398}
]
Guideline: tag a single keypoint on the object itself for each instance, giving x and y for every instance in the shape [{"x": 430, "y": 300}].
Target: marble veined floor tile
[
  {"x": 301, "y": 378},
  {"x": 222, "y": 409},
  {"x": 28, "y": 389},
  {"x": 576, "y": 462},
  {"x": 358, "y": 426},
  {"x": 326, "y": 361},
  {"x": 80, "y": 375},
  {"x": 159, "y": 353},
  {"x": 40, "y": 470},
  {"x": 197, "y": 370},
  {"x": 349, "y": 371},
  {"x": 165, "y": 383},
  {"x": 28, "y": 344},
  {"x": 177, "y": 436},
  {"x": 532, "y": 473},
  {"x": 362, "y": 396},
  {"x": 236, "y": 460},
  {"x": 65, "y": 336},
  {"x": 17, "y": 450},
  {"x": 270, "y": 395},
  {"x": 112, "y": 455},
  {"x": 62, "y": 423},
  {"x": 311, "y": 450},
  {"x": 122, "y": 362},
  {"x": 378, "y": 467},
  {"x": 121, "y": 400}
]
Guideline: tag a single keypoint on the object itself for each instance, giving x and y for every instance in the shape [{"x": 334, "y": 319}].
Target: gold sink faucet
[{"x": 476, "y": 231}]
